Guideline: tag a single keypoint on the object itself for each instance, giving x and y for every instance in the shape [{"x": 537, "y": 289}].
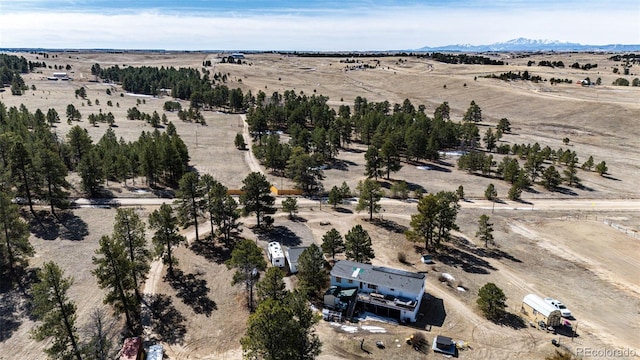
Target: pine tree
[
  {"x": 358, "y": 245},
  {"x": 256, "y": 196},
  {"x": 189, "y": 201},
  {"x": 114, "y": 272},
  {"x": 248, "y": 260},
  {"x": 56, "y": 312},
  {"x": 272, "y": 286},
  {"x": 166, "y": 237},
  {"x": 485, "y": 230},
  {"x": 370, "y": 195},
  {"x": 312, "y": 276},
  {"x": 14, "y": 239},
  {"x": 332, "y": 243},
  {"x": 130, "y": 230}
]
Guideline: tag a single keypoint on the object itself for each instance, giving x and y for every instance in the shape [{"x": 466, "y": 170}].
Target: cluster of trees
[
  {"x": 625, "y": 82},
  {"x": 554, "y": 64},
  {"x": 356, "y": 244},
  {"x": 465, "y": 59},
  {"x": 626, "y": 57},
  {"x": 36, "y": 161},
  {"x": 317, "y": 133},
  {"x": 533, "y": 168},
  {"x": 435, "y": 219},
  {"x": 282, "y": 326},
  {"x": 122, "y": 263},
  {"x": 152, "y": 119},
  {"x": 511, "y": 76},
  {"x": 10, "y": 66},
  {"x": 185, "y": 83},
  {"x": 586, "y": 66},
  {"x": 560, "y": 81}
]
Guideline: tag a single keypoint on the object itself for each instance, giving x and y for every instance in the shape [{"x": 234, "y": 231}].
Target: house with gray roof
[{"x": 386, "y": 291}]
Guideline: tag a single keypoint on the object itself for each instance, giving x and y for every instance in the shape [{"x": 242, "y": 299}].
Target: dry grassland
[{"x": 571, "y": 255}]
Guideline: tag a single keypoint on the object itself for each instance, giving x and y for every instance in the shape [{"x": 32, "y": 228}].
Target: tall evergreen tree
[
  {"x": 312, "y": 276},
  {"x": 114, "y": 272},
  {"x": 130, "y": 230},
  {"x": 56, "y": 312},
  {"x": 256, "y": 196},
  {"x": 14, "y": 239},
  {"x": 282, "y": 330},
  {"x": 358, "y": 245},
  {"x": 390, "y": 155},
  {"x": 248, "y": 260},
  {"x": 189, "y": 201},
  {"x": 485, "y": 230},
  {"x": 54, "y": 173},
  {"x": 272, "y": 286},
  {"x": 24, "y": 175},
  {"x": 332, "y": 243},
  {"x": 166, "y": 237},
  {"x": 370, "y": 195},
  {"x": 373, "y": 163}
]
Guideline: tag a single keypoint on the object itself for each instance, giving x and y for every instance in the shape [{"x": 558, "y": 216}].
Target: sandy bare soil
[{"x": 579, "y": 245}]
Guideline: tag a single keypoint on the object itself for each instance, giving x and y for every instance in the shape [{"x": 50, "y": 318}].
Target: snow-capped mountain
[{"x": 523, "y": 44}]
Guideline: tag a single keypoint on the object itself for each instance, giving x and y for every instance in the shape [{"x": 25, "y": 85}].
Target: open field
[{"x": 553, "y": 251}]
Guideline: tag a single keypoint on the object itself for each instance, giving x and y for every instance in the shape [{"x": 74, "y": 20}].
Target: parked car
[{"x": 560, "y": 306}]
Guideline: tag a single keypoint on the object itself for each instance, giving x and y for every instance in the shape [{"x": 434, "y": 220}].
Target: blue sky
[{"x": 310, "y": 25}]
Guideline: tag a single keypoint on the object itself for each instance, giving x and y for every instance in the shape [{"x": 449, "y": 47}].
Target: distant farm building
[
  {"x": 384, "y": 291},
  {"x": 237, "y": 56},
  {"x": 537, "y": 310},
  {"x": 59, "y": 76}
]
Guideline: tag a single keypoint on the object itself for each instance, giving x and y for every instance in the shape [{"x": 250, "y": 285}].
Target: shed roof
[
  {"x": 541, "y": 306},
  {"x": 379, "y": 275},
  {"x": 293, "y": 253}
]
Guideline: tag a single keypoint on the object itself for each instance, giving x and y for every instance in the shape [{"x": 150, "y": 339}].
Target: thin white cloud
[{"x": 373, "y": 29}]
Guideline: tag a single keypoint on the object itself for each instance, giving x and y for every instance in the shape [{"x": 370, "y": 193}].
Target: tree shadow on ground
[
  {"x": 493, "y": 253},
  {"x": 73, "y": 227},
  {"x": 10, "y": 313},
  {"x": 192, "y": 291},
  {"x": 15, "y": 301},
  {"x": 281, "y": 234},
  {"x": 211, "y": 251},
  {"x": 565, "y": 191},
  {"x": 342, "y": 210},
  {"x": 166, "y": 320},
  {"x": 67, "y": 226},
  {"x": 466, "y": 261},
  {"x": 513, "y": 321},
  {"x": 389, "y": 225},
  {"x": 43, "y": 226},
  {"x": 342, "y": 165}
]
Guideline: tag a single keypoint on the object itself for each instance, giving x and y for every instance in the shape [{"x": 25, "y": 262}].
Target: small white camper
[{"x": 276, "y": 255}]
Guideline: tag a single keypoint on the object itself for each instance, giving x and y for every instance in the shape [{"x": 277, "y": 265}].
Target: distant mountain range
[{"x": 522, "y": 44}]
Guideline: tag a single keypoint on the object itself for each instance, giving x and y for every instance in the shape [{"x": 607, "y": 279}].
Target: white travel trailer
[{"x": 276, "y": 255}]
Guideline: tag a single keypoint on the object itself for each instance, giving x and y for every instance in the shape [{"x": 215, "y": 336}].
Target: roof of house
[
  {"x": 293, "y": 253},
  {"x": 541, "y": 306},
  {"x": 379, "y": 275}
]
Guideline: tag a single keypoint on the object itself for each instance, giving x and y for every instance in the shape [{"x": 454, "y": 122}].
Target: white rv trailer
[{"x": 276, "y": 255}]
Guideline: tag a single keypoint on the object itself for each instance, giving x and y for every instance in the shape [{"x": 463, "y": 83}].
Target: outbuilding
[
  {"x": 537, "y": 310},
  {"x": 293, "y": 254}
]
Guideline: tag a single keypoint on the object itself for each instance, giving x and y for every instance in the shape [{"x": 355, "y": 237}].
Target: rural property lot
[{"x": 580, "y": 246}]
